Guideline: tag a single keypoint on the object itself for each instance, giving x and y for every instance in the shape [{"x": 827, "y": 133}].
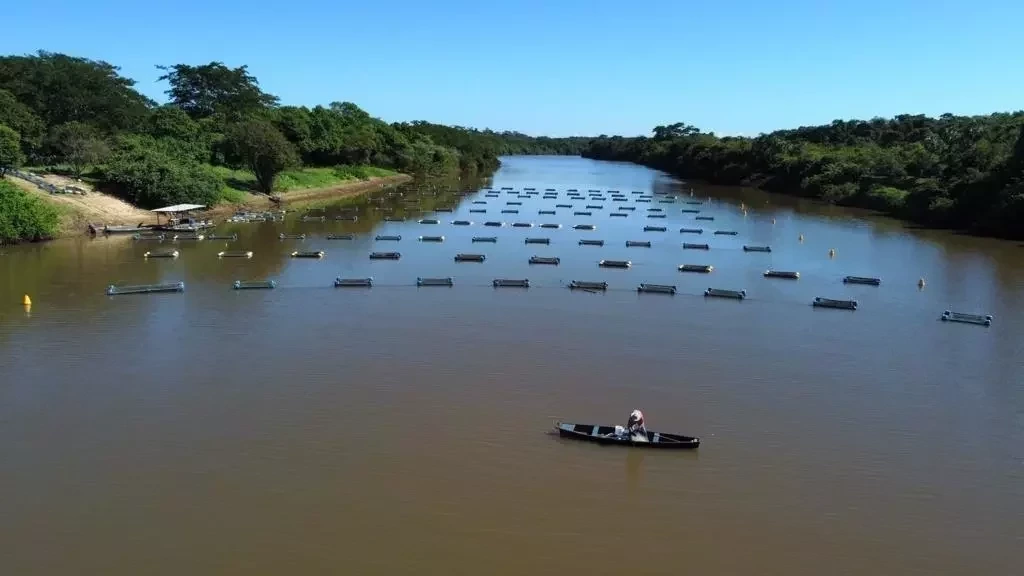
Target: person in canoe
[{"x": 634, "y": 427}]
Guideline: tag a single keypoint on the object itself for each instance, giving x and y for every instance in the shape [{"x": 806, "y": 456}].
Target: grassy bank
[
  {"x": 239, "y": 183},
  {"x": 25, "y": 218}
]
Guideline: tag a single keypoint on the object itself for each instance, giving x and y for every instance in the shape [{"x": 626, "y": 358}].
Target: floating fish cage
[
  {"x": 341, "y": 236},
  {"x": 552, "y": 260},
  {"x": 510, "y": 211},
  {"x": 722, "y": 293},
  {"x": 862, "y": 280},
  {"x": 620, "y": 199},
  {"x": 614, "y": 263},
  {"x": 547, "y": 212},
  {"x": 429, "y": 221},
  {"x": 235, "y": 254},
  {"x": 644, "y": 200},
  {"x": 627, "y": 208},
  {"x": 494, "y": 224},
  {"x": 537, "y": 241},
  {"x": 148, "y": 237},
  {"x": 694, "y": 202},
  {"x": 591, "y": 243},
  {"x": 292, "y": 236},
  {"x": 340, "y": 282},
  {"x": 195, "y": 237},
  {"x": 145, "y": 288},
  {"x": 756, "y": 248},
  {"x": 461, "y": 223},
  {"x": 585, "y": 285},
  {"x": 690, "y": 211},
  {"x": 571, "y": 190},
  {"x": 161, "y": 254},
  {"x": 314, "y": 218},
  {"x": 449, "y": 281},
  {"x": 691, "y": 230},
  {"x": 666, "y": 201},
  {"x": 656, "y": 288},
  {"x": 618, "y": 215},
  {"x": 636, "y": 192},
  {"x": 470, "y": 257},
  {"x": 491, "y": 239},
  {"x": 584, "y": 227},
  {"x": 347, "y": 218},
  {"x": 595, "y": 207},
  {"x": 981, "y": 320},
  {"x": 655, "y": 229},
  {"x": 551, "y": 226},
  {"x": 444, "y": 209},
  {"x": 522, "y": 225},
  {"x": 700, "y": 268},
  {"x": 228, "y": 237},
  {"x": 563, "y": 205},
  {"x": 308, "y": 254},
  {"x": 385, "y": 255},
  {"x": 529, "y": 189},
  {"x": 709, "y": 218},
  {"x": 393, "y": 219},
  {"x": 479, "y": 201},
  {"x": 254, "y": 284},
  {"x": 513, "y": 203},
  {"x": 837, "y": 304},
  {"x": 582, "y": 213},
  {"x": 781, "y": 274},
  {"x": 689, "y": 246},
  {"x": 654, "y": 210},
  {"x": 477, "y": 211},
  {"x": 731, "y": 233},
  {"x": 507, "y": 188},
  {"x": 637, "y": 244},
  {"x": 387, "y": 238},
  {"x": 431, "y": 238},
  {"x": 549, "y": 189}
]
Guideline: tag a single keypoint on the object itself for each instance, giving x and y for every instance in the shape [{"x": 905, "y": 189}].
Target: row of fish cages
[
  {"x": 246, "y": 217},
  {"x": 582, "y": 285}
]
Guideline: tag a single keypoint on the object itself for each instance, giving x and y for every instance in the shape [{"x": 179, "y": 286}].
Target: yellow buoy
[
  {"x": 831, "y": 252},
  {"x": 26, "y": 300}
]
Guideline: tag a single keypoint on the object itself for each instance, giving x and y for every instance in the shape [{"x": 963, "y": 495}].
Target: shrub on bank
[
  {"x": 23, "y": 217},
  {"x": 150, "y": 177}
]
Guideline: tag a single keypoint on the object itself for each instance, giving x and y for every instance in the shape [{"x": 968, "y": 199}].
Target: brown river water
[{"x": 404, "y": 430}]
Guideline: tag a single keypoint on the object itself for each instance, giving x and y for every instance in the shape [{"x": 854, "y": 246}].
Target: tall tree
[
  {"x": 78, "y": 145},
  {"x": 209, "y": 89},
  {"x": 261, "y": 148},
  {"x": 10, "y": 150},
  {"x": 59, "y": 89}
]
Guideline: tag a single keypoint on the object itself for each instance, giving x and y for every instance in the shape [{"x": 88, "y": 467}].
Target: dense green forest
[
  {"x": 81, "y": 114},
  {"x": 959, "y": 172}
]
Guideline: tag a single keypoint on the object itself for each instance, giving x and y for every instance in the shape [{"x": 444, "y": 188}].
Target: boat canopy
[{"x": 180, "y": 208}]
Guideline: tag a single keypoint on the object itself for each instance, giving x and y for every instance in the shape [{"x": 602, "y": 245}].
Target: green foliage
[
  {"x": 78, "y": 145},
  {"x": 260, "y": 147},
  {"x": 148, "y": 175},
  {"x": 214, "y": 89},
  {"x": 951, "y": 171},
  {"x": 23, "y": 217},
  {"x": 10, "y": 150},
  {"x": 20, "y": 118},
  {"x": 60, "y": 89}
]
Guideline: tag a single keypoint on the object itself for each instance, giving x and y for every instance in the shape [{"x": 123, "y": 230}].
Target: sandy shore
[{"x": 77, "y": 212}]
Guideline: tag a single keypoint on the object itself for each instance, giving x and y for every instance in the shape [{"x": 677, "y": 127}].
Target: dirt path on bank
[{"x": 78, "y": 211}]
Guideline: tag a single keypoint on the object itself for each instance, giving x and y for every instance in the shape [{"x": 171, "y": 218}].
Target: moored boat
[{"x": 607, "y": 435}]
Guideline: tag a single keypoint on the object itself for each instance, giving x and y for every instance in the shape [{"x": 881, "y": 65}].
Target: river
[{"x": 404, "y": 430}]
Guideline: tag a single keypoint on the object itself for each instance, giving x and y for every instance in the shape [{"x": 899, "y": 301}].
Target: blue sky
[{"x": 569, "y": 67}]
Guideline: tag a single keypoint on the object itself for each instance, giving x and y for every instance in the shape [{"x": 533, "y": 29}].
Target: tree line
[
  {"x": 959, "y": 172},
  {"x": 83, "y": 114}
]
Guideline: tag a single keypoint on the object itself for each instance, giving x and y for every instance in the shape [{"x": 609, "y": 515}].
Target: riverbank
[{"x": 77, "y": 211}]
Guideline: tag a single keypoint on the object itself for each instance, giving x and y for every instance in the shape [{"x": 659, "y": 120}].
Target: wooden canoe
[{"x": 606, "y": 435}]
